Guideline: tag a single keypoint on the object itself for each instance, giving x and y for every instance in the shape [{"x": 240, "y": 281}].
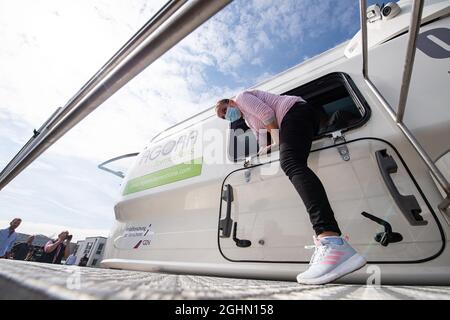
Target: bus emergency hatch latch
[
  {"x": 386, "y": 237},
  {"x": 338, "y": 137},
  {"x": 241, "y": 243}
]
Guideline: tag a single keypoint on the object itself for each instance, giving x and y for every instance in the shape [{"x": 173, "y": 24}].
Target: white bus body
[{"x": 172, "y": 217}]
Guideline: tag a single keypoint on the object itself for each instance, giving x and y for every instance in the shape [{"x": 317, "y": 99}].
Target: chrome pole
[
  {"x": 137, "y": 39},
  {"x": 413, "y": 33},
  {"x": 363, "y": 25},
  {"x": 155, "y": 44},
  {"x": 365, "y": 59},
  {"x": 410, "y": 137},
  {"x": 30, "y": 143},
  {"x": 414, "y": 27}
]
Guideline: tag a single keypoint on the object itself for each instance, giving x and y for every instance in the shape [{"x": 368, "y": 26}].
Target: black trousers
[{"x": 297, "y": 130}]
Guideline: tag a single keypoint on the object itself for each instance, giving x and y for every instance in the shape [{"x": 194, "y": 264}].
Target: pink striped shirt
[{"x": 261, "y": 108}]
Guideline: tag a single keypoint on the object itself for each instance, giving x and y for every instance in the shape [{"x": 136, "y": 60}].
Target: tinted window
[
  {"x": 242, "y": 141},
  {"x": 339, "y": 103},
  {"x": 88, "y": 248},
  {"x": 99, "y": 248}
]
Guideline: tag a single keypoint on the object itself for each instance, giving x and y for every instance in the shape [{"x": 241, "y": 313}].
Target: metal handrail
[
  {"x": 164, "y": 13},
  {"x": 30, "y": 143},
  {"x": 161, "y": 16},
  {"x": 147, "y": 47},
  {"x": 416, "y": 18},
  {"x": 414, "y": 27}
]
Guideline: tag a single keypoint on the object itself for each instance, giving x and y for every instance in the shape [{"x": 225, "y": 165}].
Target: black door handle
[
  {"x": 408, "y": 205},
  {"x": 226, "y": 224},
  {"x": 386, "y": 237},
  {"x": 241, "y": 243}
]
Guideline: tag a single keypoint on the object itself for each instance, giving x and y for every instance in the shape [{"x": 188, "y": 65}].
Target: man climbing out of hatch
[{"x": 292, "y": 124}]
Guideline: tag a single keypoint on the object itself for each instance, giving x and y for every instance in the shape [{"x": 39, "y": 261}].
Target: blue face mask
[{"x": 232, "y": 114}]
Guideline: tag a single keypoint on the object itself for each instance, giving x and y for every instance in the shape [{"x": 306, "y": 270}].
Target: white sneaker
[{"x": 333, "y": 258}]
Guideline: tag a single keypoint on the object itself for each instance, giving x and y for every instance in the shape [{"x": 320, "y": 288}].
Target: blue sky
[{"x": 50, "y": 48}]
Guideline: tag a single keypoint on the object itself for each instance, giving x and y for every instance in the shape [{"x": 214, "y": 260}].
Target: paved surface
[{"x": 28, "y": 280}]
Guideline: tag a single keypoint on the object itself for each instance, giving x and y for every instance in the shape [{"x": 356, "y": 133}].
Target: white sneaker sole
[{"x": 353, "y": 263}]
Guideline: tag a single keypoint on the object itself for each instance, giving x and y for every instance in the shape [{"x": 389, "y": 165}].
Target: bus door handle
[
  {"x": 226, "y": 224},
  {"x": 408, "y": 204}
]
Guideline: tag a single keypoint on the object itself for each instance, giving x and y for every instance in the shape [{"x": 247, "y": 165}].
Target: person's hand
[
  {"x": 63, "y": 236},
  {"x": 266, "y": 149},
  {"x": 69, "y": 238}
]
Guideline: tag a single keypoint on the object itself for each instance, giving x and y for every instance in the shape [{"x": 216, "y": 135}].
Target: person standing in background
[
  {"x": 55, "y": 250},
  {"x": 7, "y": 238}
]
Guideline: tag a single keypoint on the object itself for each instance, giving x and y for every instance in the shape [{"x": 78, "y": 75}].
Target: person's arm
[
  {"x": 51, "y": 246},
  {"x": 274, "y": 132},
  {"x": 29, "y": 255},
  {"x": 256, "y": 107},
  {"x": 8, "y": 254}
]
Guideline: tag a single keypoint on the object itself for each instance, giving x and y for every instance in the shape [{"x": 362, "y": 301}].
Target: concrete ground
[{"x": 30, "y": 280}]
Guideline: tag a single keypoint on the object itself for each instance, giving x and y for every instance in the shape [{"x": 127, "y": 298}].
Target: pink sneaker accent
[
  {"x": 331, "y": 257},
  {"x": 328, "y": 262}
]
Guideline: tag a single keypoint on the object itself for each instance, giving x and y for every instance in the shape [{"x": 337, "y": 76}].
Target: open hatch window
[{"x": 341, "y": 106}]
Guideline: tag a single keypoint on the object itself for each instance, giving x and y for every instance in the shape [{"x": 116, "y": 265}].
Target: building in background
[{"x": 93, "y": 248}]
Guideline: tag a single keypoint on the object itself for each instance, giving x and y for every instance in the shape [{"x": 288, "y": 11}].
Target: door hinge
[{"x": 338, "y": 137}]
